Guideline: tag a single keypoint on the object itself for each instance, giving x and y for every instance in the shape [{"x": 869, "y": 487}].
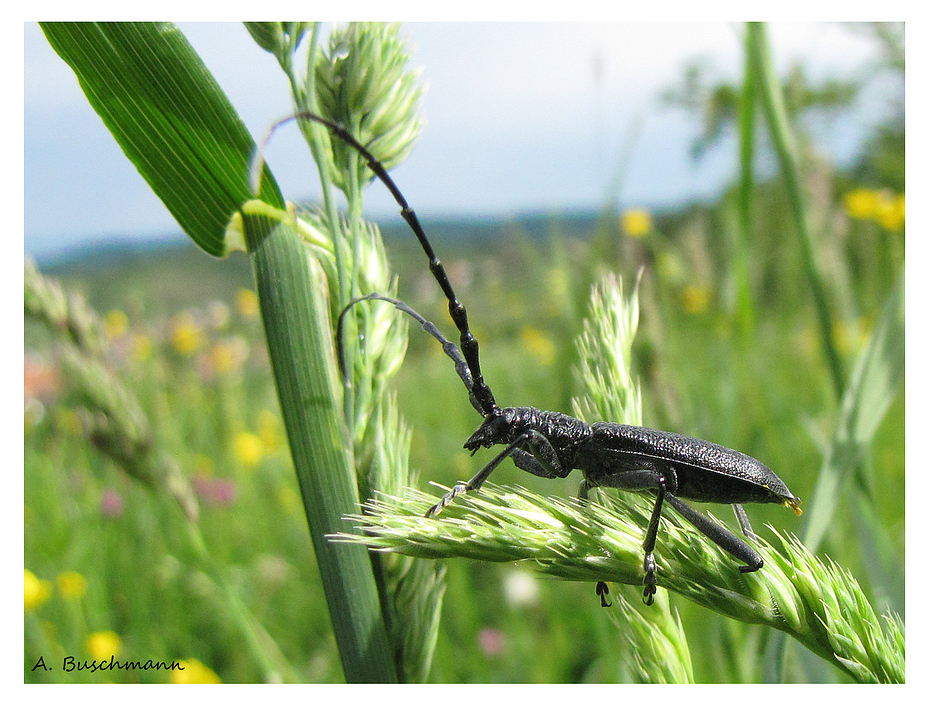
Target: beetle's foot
[
  {"x": 602, "y": 590},
  {"x": 458, "y": 489},
  {"x": 751, "y": 568},
  {"x": 649, "y": 587}
]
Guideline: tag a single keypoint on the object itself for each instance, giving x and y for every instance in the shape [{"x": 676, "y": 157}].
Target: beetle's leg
[
  {"x": 535, "y": 466},
  {"x": 584, "y": 490},
  {"x": 543, "y": 462},
  {"x": 530, "y": 463},
  {"x": 719, "y": 535},
  {"x": 636, "y": 480},
  {"x": 744, "y": 523},
  {"x": 602, "y": 590},
  {"x": 648, "y": 591}
]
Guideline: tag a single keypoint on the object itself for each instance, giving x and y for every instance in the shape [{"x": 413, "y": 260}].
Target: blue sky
[{"x": 520, "y": 117}]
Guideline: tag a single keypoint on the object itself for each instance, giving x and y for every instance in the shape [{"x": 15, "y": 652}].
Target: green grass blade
[
  {"x": 877, "y": 378},
  {"x": 772, "y": 99},
  {"x": 299, "y": 341},
  {"x": 746, "y": 186},
  {"x": 171, "y": 119}
]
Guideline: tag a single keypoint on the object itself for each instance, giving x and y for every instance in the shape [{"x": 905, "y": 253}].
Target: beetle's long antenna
[
  {"x": 484, "y": 400},
  {"x": 462, "y": 369}
]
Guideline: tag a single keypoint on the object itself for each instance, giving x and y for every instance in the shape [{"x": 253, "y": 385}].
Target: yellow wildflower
[
  {"x": 116, "y": 323},
  {"x": 248, "y": 448},
  {"x": 186, "y": 336},
  {"x": 637, "y": 222},
  {"x": 103, "y": 645},
  {"x": 71, "y": 585},
  {"x": 194, "y": 671},
  {"x": 881, "y": 206},
  {"x": 36, "y": 591},
  {"x": 892, "y": 212},
  {"x": 247, "y": 303},
  {"x": 538, "y": 345},
  {"x": 228, "y": 355},
  {"x": 861, "y": 203},
  {"x": 696, "y": 299}
]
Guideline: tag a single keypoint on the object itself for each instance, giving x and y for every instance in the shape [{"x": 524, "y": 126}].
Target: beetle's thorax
[{"x": 507, "y": 424}]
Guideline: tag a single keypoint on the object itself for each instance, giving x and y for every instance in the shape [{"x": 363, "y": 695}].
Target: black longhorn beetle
[{"x": 552, "y": 444}]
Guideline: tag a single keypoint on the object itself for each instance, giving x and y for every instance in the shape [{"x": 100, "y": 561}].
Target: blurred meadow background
[{"x": 163, "y": 517}]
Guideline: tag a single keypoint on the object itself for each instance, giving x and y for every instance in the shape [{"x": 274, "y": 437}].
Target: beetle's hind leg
[{"x": 721, "y": 536}]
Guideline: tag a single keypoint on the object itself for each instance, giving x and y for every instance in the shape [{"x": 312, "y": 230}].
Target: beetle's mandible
[{"x": 551, "y": 444}]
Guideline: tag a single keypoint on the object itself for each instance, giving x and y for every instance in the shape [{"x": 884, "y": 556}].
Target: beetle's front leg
[
  {"x": 542, "y": 461},
  {"x": 531, "y": 463},
  {"x": 458, "y": 489}
]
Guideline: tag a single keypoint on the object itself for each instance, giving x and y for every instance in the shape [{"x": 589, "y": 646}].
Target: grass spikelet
[
  {"x": 814, "y": 601},
  {"x": 656, "y": 641}
]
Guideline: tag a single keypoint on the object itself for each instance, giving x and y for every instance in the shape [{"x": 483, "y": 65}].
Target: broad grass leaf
[{"x": 171, "y": 119}]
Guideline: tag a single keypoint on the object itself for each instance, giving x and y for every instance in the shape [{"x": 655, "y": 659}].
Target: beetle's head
[{"x": 495, "y": 429}]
